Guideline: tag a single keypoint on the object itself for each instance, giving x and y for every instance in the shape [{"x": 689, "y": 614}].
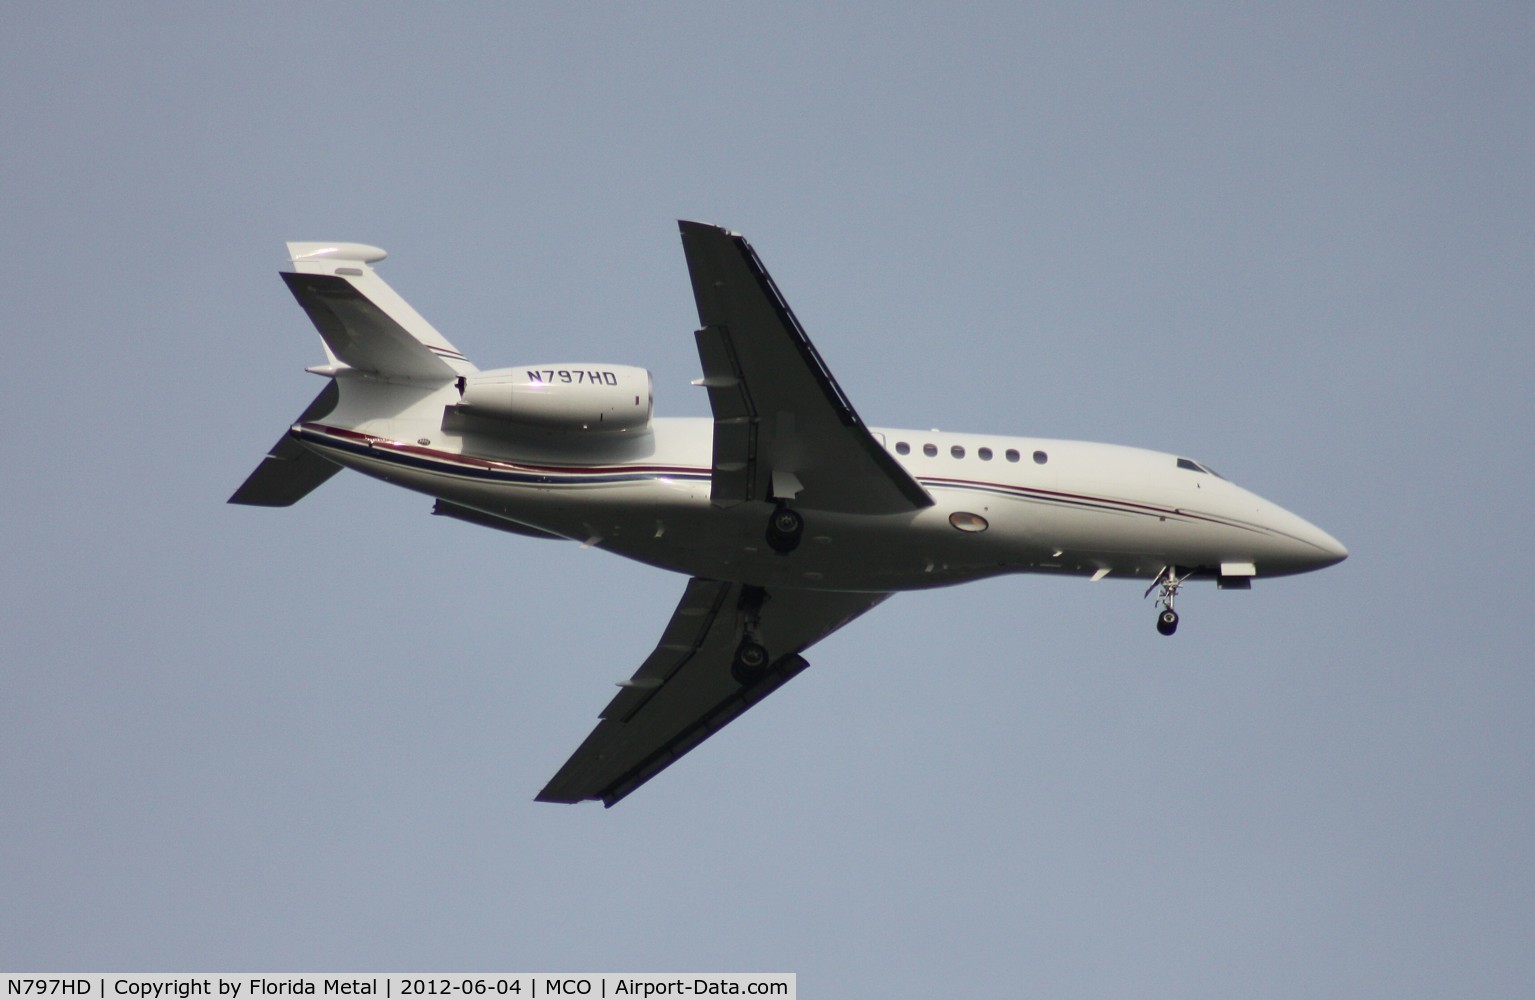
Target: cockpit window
[{"x": 1193, "y": 466}]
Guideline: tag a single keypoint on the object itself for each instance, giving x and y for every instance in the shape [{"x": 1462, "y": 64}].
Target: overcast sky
[{"x": 1292, "y": 241}]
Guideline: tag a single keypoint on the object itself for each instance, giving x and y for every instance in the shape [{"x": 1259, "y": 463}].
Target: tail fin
[
  {"x": 366, "y": 326},
  {"x": 364, "y": 323},
  {"x": 290, "y": 471}
]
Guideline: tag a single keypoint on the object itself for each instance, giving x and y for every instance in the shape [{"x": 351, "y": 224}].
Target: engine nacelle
[{"x": 584, "y": 397}]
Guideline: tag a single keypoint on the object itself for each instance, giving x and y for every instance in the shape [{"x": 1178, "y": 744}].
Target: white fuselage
[{"x": 1002, "y": 504}]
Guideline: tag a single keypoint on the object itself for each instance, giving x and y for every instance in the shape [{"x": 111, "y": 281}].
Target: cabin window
[
  {"x": 1040, "y": 458},
  {"x": 984, "y": 454},
  {"x": 902, "y": 448},
  {"x": 1012, "y": 455},
  {"x": 930, "y": 450},
  {"x": 958, "y": 451}
]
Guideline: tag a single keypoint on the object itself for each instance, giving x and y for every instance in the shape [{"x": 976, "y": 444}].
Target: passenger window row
[{"x": 958, "y": 451}]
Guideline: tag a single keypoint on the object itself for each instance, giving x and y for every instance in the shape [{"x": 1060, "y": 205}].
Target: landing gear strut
[
  {"x": 1169, "y": 581},
  {"x": 784, "y": 529}
]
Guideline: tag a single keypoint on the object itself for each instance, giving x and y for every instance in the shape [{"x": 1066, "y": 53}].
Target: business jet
[{"x": 789, "y": 514}]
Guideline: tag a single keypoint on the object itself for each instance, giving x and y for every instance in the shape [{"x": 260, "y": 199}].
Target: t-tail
[{"x": 366, "y": 328}]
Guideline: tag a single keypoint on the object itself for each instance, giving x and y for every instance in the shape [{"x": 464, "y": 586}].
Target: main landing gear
[
  {"x": 784, "y": 530},
  {"x": 751, "y": 661},
  {"x": 1169, "y": 581}
]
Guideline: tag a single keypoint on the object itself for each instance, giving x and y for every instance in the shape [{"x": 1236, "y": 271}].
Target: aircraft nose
[
  {"x": 1307, "y": 547},
  {"x": 1331, "y": 551}
]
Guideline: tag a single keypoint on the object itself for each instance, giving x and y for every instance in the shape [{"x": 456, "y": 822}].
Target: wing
[
  {"x": 782, "y": 426},
  {"x": 686, "y": 690}
]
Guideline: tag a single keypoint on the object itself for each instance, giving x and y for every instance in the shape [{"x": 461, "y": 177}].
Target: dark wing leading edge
[
  {"x": 685, "y": 691},
  {"x": 782, "y": 426}
]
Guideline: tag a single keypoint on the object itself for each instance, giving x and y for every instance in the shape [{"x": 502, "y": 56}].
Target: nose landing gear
[
  {"x": 1167, "y": 621},
  {"x": 1169, "y": 581}
]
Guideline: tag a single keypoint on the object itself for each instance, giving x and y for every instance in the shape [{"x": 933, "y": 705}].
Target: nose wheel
[
  {"x": 1167, "y": 621},
  {"x": 1168, "y": 581}
]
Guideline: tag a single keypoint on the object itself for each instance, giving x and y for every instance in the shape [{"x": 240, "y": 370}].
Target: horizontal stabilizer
[
  {"x": 287, "y": 475},
  {"x": 290, "y": 471}
]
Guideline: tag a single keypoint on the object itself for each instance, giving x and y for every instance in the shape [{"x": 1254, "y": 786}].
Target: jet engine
[{"x": 568, "y": 397}]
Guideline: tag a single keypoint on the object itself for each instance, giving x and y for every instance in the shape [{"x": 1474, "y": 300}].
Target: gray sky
[{"x": 1292, "y": 243}]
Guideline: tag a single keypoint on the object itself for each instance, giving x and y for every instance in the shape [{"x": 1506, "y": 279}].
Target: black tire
[
  {"x": 750, "y": 663},
  {"x": 784, "y": 529},
  {"x": 1167, "y": 622}
]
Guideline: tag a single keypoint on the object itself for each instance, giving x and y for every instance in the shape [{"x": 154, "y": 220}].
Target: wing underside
[{"x": 686, "y": 691}]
